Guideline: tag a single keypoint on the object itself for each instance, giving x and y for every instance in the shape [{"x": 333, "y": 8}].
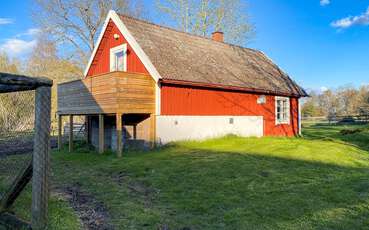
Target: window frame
[
  {"x": 287, "y": 119},
  {"x": 113, "y": 51}
]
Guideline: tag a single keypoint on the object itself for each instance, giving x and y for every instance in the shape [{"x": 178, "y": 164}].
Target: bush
[{"x": 351, "y": 131}]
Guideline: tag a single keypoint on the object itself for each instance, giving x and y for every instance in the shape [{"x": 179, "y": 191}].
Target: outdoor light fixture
[
  {"x": 116, "y": 36},
  {"x": 261, "y": 99}
]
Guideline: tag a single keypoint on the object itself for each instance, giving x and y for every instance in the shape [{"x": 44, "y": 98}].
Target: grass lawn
[{"x": 320, "y": 181}]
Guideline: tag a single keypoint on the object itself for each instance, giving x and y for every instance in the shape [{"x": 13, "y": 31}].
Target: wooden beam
[
  {"x": 119, "y": 128},
  {"x": 60, "y": 137},
  {"x": 71, "y": 133},
  {"x": 41, "y": 158},
  {"x": 101, "y": 134},
  {"x": 152, "y": 130},
  {"x": 13, "y": 82}
]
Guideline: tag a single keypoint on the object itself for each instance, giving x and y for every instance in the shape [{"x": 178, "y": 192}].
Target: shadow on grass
[{"x": 213, "y": 189}]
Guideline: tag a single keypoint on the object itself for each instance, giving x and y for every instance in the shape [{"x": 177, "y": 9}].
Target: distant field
[{"x": 320, "y": 181}]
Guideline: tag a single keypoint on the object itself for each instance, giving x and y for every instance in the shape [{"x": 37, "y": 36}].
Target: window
[
  {"x": 118, "y": 58},
  {"x": 282, "y": 110}
]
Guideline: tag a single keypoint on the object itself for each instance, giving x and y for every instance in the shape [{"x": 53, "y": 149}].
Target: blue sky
[{"x": 320, "y": 43}]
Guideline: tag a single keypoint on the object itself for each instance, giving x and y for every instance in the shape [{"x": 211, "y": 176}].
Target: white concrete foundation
[{"x": 177, "y": 128}]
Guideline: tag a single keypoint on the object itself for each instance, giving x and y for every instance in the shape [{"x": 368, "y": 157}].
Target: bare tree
[
  {"x": 344, "y": 101},
  {"x": 202, "y": 17},
  {"x": 45, "y": 62},
  {"x": 75, "y": 24}
]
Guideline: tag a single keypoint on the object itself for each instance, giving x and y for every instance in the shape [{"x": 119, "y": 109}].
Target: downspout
[{"x": 299, "y": 115}]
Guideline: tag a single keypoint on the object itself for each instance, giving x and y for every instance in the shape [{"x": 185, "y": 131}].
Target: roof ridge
[{"x": 187, "y": 33}]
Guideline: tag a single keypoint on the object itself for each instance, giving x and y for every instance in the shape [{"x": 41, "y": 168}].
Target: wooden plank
[
  {"x": 60, "y": 137},
  {"x": 101, "y": 134},
  {"x": 119, "y": 128},
  {"x": 70, "y": 133}
]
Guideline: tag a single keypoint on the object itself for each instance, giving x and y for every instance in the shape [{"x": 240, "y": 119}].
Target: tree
[
  {"x": 44, "y": 62},
  {"x": 75, "y": 24},
  {"x": 15, "y": 108},
  {"x": 202, "y": 17}
]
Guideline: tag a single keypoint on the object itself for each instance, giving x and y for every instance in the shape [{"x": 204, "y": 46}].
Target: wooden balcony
[{"x": 112, "y": 93}]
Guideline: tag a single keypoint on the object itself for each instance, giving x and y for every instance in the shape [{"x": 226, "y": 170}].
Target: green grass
[
  {"x": 320, "y": 181},
  {"x": 317, "y": 182}
]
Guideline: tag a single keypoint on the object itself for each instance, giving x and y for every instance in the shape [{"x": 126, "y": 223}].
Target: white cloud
[
  {"x": 324, "y": 2},
  {"x": 4, "y": 21},
  {"x": 323, "y": 89},
  {"x": 17, "y": 47},
  {"x": 30, "y": 32},
  {"x": 350, "y": 21}
]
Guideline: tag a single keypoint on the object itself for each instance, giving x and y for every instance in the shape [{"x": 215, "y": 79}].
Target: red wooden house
[{"x": 152, "y": 83}]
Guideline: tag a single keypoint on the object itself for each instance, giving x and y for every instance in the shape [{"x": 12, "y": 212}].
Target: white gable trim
[{"x": 136, "y": 48}]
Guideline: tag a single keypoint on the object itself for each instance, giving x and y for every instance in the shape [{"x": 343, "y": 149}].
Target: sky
[{"x": 320, "y": 43}]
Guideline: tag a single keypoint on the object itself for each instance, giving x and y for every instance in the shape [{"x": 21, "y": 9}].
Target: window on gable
[
  {"x": 118, "y": 58},
  {"x": 282, "y": 111}
]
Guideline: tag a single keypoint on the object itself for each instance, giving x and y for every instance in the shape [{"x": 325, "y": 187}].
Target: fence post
[{"x": 40, "y": 180}]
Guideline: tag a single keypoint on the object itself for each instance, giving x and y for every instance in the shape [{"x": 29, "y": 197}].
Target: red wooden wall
[
  {"x": 181, "y": 100},
  {"x": 100, "y": 63}
]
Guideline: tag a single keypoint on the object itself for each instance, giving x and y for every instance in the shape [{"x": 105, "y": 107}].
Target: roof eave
[{"x": 228, "y": 87}]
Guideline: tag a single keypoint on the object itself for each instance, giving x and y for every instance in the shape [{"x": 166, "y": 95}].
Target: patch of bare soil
[{"x": 91, "y": 212}]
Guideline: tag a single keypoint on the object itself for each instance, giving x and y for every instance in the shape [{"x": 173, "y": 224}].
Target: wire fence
[
  {"x": 16, "y": 136},
  {"x": 25, "y": 105}
]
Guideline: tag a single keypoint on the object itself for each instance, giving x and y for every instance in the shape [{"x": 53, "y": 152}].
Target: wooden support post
[
  {"x": 87, "y": 129},
  {"x": 135, "y": 132},
  {"x": 101, "y": 134},
  {"x": 41, "y": 158},
  {"x": 119, "y": 134},
  {"x": 60, "y": 137},
  {"x": 71, "y": 133},
  {"x": 152, "y": 130}
]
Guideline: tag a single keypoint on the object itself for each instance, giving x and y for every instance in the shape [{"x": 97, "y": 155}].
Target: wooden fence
[{"x": 361, "y": 118}]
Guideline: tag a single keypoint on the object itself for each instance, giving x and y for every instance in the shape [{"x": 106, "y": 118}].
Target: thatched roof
[{"x": 184, "y": 57}]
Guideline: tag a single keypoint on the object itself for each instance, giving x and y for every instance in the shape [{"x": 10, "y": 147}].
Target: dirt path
[{"x": 92, "y": 213}]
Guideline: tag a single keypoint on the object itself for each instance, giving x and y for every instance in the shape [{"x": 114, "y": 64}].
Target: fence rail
[{"x": 361, "y": 118}]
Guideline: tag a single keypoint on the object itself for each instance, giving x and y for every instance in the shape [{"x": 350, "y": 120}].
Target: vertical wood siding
[
  {"x": 100, "y": 63},
  {"x": 180, "y": 100}
]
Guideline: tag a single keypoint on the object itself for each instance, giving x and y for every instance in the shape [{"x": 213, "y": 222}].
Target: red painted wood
[
  {"x": 100, "y": 63},
  {"x": 183, "y": 100}
]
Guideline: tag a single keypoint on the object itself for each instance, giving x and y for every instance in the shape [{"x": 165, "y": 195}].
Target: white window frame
[
  {"x": 113, "y": 51},
  {"x": 288, "y": 111}
]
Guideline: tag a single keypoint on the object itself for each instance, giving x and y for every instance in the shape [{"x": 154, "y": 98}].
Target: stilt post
[
  {"x": 119, "y": 127},
  {"x": 60, "y": 137},
  {"x": 101, "y": 134},
  {"x": 71, "y": 127}
]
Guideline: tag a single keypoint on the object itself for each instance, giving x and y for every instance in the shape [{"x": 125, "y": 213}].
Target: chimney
[{"x": 218, "y": 36}]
